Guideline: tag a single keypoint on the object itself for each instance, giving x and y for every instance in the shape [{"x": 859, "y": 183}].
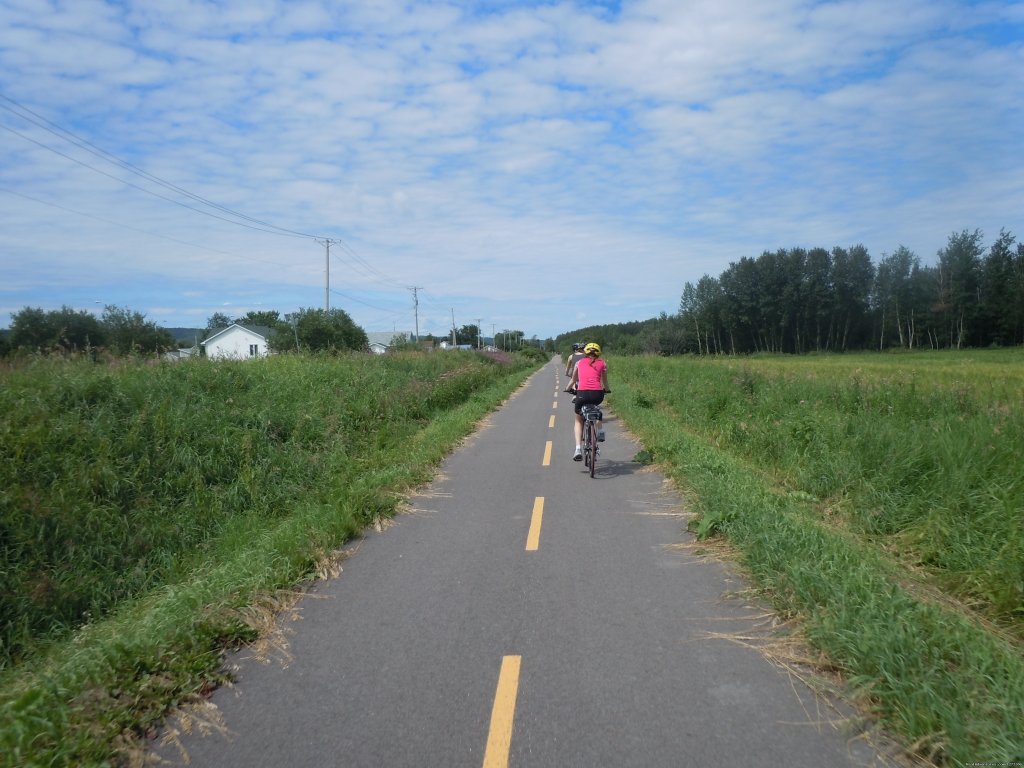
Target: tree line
[
  {"x": 120, "y": 331},
  {"x": 798, "y": 300},
  {"x": 308, "y": 330}
]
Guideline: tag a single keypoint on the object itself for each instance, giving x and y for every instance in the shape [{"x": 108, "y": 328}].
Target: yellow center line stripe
[
  {"x": 554, "y": 404},
  {"x": 551, "y": 422},
  {"x": 547, "y": 454},
  {"x": 533, "y": 537},
  {"x": 499, "y": 738}
]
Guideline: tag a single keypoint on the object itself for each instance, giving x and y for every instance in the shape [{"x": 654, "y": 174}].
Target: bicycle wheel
[
  {"x": 586, "y": 447},
  {"x": 592, "y": 447}
]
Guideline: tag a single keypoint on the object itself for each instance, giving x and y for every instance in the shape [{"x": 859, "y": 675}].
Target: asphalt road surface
[{"x": 525, "y": 614}]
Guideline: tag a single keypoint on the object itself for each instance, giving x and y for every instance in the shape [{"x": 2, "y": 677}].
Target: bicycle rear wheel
[{"x": 592, "y": 446}]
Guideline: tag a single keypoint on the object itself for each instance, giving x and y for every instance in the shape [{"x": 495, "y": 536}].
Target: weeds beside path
[
  {"x": 147, "y": 509},
  {"x": 844, "y": 482}
]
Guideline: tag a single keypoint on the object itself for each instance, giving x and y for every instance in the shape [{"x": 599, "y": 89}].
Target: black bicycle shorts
[{"x": 588, "y": 397}]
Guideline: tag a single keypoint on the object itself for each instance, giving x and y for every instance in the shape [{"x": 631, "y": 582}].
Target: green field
[
  {"x": 148, "y": 511},
  {"x": 879, "y": 498}
]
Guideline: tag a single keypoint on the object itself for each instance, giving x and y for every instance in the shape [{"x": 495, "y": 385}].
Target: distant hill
[{"x": 187, "y": 337}]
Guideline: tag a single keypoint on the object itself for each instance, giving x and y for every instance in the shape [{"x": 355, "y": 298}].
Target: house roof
[
  {"x": 260, "y": 330},
  {"x": 384, "y": 337}
]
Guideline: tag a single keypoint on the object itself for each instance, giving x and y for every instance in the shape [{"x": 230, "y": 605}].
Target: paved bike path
[{"x": 397, "y": 661}]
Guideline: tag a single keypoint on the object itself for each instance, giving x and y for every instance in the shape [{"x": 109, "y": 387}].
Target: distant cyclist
[
  {"x": 590, "y": 380},
  {"x": 575, "y": 357}
]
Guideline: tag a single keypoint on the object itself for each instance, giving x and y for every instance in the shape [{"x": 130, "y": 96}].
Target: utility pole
[
  {"x": 479, "y": 333},
  {"x": 327, "y": 273},
  {"x": 416, "y": 310},
  {"x": 453, "y": 328}
]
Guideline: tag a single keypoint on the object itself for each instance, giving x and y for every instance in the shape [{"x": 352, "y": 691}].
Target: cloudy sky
[{"x": 538, "y": 166}]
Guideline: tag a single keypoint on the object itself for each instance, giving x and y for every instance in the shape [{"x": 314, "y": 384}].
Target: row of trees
[
  {"x": 311, "y": 330},
  {"x": 472, "y": 335},
  {"x": 118, "y": 329},
  {"x": 797, "y": 300},
  {"x": 665, "y": 335},
  {"x": 123, "y": 332}
]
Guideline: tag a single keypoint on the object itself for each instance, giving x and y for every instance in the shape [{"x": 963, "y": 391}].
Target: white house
[{"x": 238, "y": 342}]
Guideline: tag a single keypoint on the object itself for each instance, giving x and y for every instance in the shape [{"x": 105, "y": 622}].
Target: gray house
[{"x": 380, "y": 341}]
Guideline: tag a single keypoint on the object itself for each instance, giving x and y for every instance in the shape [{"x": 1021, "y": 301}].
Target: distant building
[
  {"x": 238, "y": 342},
  {"x": 381, "y": 341},
  {"x": 183, "y": 353}
]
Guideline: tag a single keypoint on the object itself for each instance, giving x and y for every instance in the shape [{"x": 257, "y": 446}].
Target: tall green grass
[
  {"x": 921, "y": 453},
  {"x": 144, "y": 507},
  {"x": 855, "y": 487}
]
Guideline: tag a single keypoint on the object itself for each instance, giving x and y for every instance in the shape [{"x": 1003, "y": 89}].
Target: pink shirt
[{"x": 589, "y": 373}]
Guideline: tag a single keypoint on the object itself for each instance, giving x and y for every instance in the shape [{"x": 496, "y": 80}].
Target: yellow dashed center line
[
  {"x": 499, "y": 738},
  {"x": 533, "y": 537}
]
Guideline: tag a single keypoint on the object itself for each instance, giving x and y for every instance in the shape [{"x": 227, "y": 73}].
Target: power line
[
  {"x": 435, "y": 302},
  {"x": 364, "y": 303},
  {"x": 143, "y": 189},
  {"x": 356, "y": 266},
  {"x": 368, "y": 270},
  {"x": 143, "y": 231},
  {"x": 62, "y": 133}
]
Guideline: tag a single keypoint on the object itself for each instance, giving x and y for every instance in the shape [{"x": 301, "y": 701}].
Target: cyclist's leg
[
  {"x": 580, "y": 400},
  {"x": 577, "y": 429}
]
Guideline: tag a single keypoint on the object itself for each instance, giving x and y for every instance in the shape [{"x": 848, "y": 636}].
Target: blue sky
[{"x": 538, "y": 166}]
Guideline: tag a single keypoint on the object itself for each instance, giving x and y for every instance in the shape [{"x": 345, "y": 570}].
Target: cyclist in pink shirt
[{"x": 590, "y": 380}]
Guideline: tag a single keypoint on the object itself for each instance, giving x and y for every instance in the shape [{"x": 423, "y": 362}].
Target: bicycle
[{"x": 591, "y": 416}]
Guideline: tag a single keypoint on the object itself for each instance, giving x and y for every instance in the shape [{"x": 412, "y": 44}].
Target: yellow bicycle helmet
[{"x": 592, "y": 348}]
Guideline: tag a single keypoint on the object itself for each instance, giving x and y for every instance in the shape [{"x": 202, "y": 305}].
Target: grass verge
[{"x": 935, "y": 675}]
